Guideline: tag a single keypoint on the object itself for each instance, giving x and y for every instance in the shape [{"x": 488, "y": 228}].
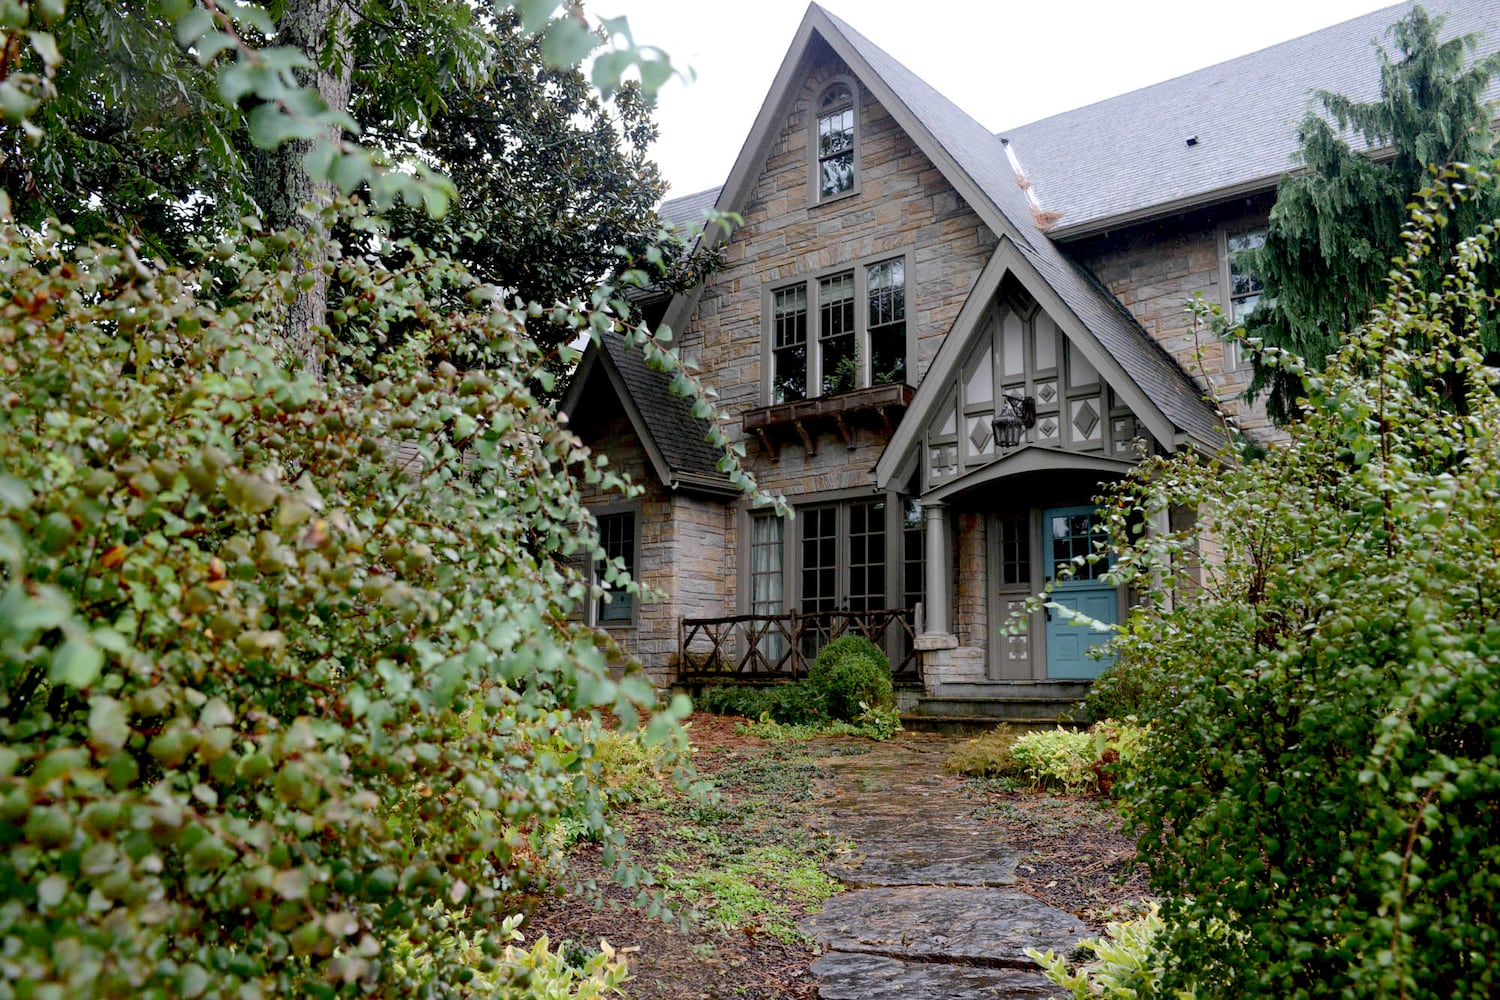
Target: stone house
[{"x": 939, "y": 343}]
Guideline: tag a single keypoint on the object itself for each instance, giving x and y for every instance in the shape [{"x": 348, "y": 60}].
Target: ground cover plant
[
  {"x": 1330, "y": 788},
  {"x": 1065, "y": 760},
  {"x": 739, "y": 866}
]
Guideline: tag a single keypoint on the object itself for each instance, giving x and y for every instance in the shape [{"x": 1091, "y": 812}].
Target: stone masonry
[{"x": 1155, "y": 270}]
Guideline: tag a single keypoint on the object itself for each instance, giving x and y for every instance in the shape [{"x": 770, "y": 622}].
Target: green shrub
[
  {"x": 836, "y": 650},
  {"x": 857, "y": 681},
  {"x": 795, "y": 704},
  {"x": 1137, "y": 685},
  {"x": 849, "y": 671},
  {"x": 1327, "y": 785},
  {"x": 270, "y": 700},
  {"x": 735, "y": 699}
]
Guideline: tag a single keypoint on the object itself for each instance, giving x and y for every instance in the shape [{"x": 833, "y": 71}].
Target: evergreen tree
[{"x": 1336, "y": 226}]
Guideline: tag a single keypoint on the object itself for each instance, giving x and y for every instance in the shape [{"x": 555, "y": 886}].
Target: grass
[{"x": 741, "y": 860}]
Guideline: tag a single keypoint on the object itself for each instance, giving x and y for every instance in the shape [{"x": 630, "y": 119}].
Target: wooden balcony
[
  {"x": 804, "y": 420},
  {"x": 782, "y": 647}
]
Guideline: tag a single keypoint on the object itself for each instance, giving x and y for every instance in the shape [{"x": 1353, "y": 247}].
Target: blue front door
[{"x": 1068, "y": 532}]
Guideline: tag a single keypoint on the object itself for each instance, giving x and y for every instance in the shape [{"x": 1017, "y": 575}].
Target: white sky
[{"x": 1006, "y": 62}]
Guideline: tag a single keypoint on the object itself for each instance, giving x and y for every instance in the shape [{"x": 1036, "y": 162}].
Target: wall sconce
[{"x": 1016, "y": 415}]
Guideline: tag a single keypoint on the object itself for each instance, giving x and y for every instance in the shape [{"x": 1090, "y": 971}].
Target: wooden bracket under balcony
[{"x": 802, "y": 421}]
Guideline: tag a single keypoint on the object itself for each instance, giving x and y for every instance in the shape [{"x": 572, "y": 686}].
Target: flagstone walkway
[{"x": 930, "y": 912}]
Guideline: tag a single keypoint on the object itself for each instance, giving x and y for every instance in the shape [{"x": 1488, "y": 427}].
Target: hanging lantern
[{"x": 1016, "y": 415}]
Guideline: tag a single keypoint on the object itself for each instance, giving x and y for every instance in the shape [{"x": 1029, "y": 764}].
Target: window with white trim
[
  {"x": 835, "y": 141},
  {"x": 1245, "y": 287},
  {"x": 840, "y": 332}
]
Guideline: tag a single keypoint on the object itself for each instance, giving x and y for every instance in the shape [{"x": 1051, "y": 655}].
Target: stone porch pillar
[{"x": 938, "y": 586}]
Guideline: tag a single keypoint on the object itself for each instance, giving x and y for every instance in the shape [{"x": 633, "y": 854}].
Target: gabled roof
[
  {"x": 676, "y": 441},
  {"x": 1127, "y": 158},
  {"x": 975, "y": 163}
]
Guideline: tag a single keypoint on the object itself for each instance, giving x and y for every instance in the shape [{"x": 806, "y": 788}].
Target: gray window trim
[
  {"x": 860, "y": 266},
  {"x": 1234, "y": 358},
  {"x": 592, "y": 608},
  {"x": 814, "y": 185}
]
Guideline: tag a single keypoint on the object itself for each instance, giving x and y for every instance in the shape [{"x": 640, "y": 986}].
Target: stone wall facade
[
  {"x": 904, "y": 206},
  {"x": 681, "y": 546},
  {"x": 1156, "y": 269}
]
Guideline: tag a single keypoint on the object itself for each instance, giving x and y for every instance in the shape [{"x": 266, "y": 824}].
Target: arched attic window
[{"x": 833, "y": 142}]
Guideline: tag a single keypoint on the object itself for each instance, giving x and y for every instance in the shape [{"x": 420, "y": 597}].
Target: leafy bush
[
  {"x": 1330, "y": 789},
  {"x": 273, "y": 699},
  {"x": 985, "y": 756},
  {"x": 851, "y": 672},
  {"x": 795, "y": 704},
  {"x": 1067, "y": 760},
  {"x": 1136, "y": 685},
  {"x": 1127, "y": 965},
  {"x": 837, "y": 649}
]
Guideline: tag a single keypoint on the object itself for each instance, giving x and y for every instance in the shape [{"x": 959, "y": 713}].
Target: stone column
[{"x": 939, "y": 583}]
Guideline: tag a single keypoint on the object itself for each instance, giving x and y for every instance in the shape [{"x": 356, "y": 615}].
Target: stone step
[
  {"x": 947, "y": 924},
  {"x": 999, "y": 709},
  {"x": 848, "y": 976}
]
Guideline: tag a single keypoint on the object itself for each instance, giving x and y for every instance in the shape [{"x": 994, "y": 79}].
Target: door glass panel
[
  {"x": 1074, "y": 535},
  {"x": 867, "y": 556},
  {"x": 819, "y": 566}
]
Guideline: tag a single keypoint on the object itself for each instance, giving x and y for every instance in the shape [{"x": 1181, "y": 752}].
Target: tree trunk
[{"x": 288, "y": 197}]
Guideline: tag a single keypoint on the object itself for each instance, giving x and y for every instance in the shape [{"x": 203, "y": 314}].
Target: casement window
[
  {"x": 833, "y": 142},
  {"x": 1243, "y": 285},
  {"x": 617, "y": 537},
  {"x": 839, "y": 332}
]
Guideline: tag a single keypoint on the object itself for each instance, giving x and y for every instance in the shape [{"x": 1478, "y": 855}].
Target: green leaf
[
  {"x": 535, "y": 14},
  {"x": 77, "y": 663},
  {"x": 46, "y": 47},
  {"x": 567, "y": 43},
  {"x": 109, "y": 724},
  {"x": 270, "y": 127},
  {"x": 192, "y": 26}
]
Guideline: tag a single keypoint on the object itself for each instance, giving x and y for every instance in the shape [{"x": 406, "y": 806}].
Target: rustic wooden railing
[{"x": 777, "y": 647}]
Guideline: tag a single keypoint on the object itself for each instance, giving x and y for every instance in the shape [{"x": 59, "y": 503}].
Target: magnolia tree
[{"x": 1322, "y": 797}]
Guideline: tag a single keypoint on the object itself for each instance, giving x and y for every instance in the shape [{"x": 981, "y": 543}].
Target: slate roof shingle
[
  {"x": 1124, "y": 157},
  {"x": 680, "y": 437}
]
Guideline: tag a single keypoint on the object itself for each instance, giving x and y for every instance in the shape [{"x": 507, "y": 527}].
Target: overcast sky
[{"x": 1006, "y": 62}]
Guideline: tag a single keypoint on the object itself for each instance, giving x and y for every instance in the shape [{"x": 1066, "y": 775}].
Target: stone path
[{"x": 929, "y": 914}]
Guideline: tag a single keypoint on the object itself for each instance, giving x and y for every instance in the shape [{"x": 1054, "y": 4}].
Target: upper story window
[
  {"x": 1244, "y": 286},
  {"x": 835, "y": 141},
  {"x": 858, "y": 335}
]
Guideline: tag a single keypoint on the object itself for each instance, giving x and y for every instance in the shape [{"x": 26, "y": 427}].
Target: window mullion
[
  {"x": 862, "y": 324},
  {"x": 814, "y": 339}
]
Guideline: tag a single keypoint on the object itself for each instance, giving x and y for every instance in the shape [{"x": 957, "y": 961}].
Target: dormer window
[{"x": 835, "y": 141}]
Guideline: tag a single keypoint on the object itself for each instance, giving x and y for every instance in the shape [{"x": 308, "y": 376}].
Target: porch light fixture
[{"x": 1016, "y": 415}]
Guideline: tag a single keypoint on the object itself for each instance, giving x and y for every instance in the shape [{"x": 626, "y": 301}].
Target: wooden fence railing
[{"x": 775, "y": 647}]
